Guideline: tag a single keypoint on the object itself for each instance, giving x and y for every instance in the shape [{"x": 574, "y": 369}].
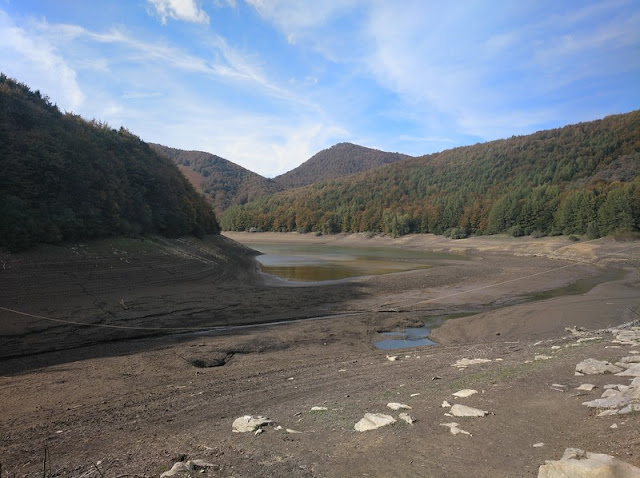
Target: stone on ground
[
  {"x": 632, "y": 371},
  {"x": 580, "y": 464},
  {"x": 407, "y": 418},
  {"x": 592, "y": 366},
  {"x": 455, "y": 429},
  {"x": 586, "y": 387},
  {"x": 249, "y": 423},
  {"x": 398, "y": 406},
  {"x": 464, "y": 393},
  {"x": 616, "y": 399},
  {"x": 463, "y": 411},
  {"x": 371, "y": 421},
  {"x": 465, "y": 362},
  {"x": 186, "y": 467}
]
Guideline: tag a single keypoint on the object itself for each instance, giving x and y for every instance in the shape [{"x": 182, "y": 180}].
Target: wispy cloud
[
  {"x": 185, "y": 10},
  {"x": 31, "y": 59}
]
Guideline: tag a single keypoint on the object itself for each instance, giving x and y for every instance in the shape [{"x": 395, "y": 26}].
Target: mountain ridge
[
  {"x": 223, "y": 182},
  {"x": 341, "y": 159},
  {"x": 578, "y": 179}
]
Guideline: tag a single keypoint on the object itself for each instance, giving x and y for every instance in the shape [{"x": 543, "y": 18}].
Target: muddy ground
[{"x": 119, "y": 367}]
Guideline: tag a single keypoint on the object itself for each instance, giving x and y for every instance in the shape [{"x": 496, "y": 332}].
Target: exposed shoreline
[{"x": 134, "y": 404}]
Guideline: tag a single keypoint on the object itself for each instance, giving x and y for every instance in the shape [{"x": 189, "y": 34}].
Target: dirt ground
[{"x": 117, "y": 359}]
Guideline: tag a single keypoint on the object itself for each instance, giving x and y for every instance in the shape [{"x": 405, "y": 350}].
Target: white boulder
[{"x": 371, "y": 421}]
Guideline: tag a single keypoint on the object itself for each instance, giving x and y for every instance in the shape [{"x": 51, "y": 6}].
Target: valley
[{"x": 168, "y": 385}]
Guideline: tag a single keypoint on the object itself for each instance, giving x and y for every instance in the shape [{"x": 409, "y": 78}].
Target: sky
[{"x": 268, "y": 83}]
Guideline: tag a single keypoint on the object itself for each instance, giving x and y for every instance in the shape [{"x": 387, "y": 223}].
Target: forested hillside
[
  {"x": 63, "y": 178},
  {"x": 223, "y": 182},
  {"x": 580, "y": 179},
  {"x": 335, "y": 162}
]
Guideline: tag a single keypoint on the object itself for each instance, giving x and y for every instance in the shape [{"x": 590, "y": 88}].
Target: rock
[
  {"x": 610, "y": 392},
  {"x": 455, "y": 429},
  {"x": 289, "y": 430},
  {"x": 586, "y": 387},
  {"x": 633, "y": 371},
  {"x": 392, "y": 358},
  {"x": 465, "y": 362},
  {"x": 188, "y": 466},
  {"x": 631, "y": 408},
  {"x": 446, "y": 404},
  {"x": 542, "y": 357},
  {"x": 407, "y": 418},
  {"x": 592, "y": 366},
  {"x": 258, "y": 432},
  {"x": 607, "y": 413},
  {"x": 631, "y": 359},
  {"x": 318, "y": 409},
  {"x": 463, "y": 411},
  {"x": 627, "y": 337},
  {"x": 538, "y": 445},
  {"x": 580, "y": 464},
  {"x": 558, "y": 387},
  {"x": 398, "y": 406},
  {"x": 615, "y": 425},
  {"x": 249, "y": 423},
  {"x": 371, "y": 421},
  {"x": 588, "y": 339},
  {"x": 178, "y": 467},
  {"x": 616, "y": 399},
  {"x": 467, "y": 392}
]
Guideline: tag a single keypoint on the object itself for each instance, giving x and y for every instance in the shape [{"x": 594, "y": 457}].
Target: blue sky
[{"x": 268, "y": 83}]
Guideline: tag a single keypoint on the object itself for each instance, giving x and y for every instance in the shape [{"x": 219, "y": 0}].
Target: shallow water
[
  {"x": 318, "y": 262},
  {"x": 408, "y": 338},
  {"x": 419, "y": 336}
]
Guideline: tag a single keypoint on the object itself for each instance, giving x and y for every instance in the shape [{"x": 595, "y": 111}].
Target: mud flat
[{"x": 166, "y": 383}]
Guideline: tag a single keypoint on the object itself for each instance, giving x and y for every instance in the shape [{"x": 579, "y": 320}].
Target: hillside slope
[
  {"x": 223, "y": 182},
  {"x": 579, "y": 179},
  {"x": 63, "y": 178},
  {"x": 337, "y": 161}
]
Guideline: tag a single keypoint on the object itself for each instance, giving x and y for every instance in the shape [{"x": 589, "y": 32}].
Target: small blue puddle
[{"x": 408, "y": 338}]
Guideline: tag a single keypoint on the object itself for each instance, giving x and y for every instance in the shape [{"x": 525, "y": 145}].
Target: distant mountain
[
  {"x": 337, "y": 161},
  {"x": 580, "y": 179},
  {"x": 64, "y": 178},
  {"x": 222, "y": 182}
]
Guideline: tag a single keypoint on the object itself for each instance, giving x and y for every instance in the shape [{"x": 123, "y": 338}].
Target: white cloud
[
  {"x": 488, "y": 73},
  {"x": 186, "y": 10},
  {"x": 31, "y": 59},
  {"x": 293, "y": 17}
]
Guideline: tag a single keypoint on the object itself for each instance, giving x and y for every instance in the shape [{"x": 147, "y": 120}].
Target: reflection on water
[
  {"x": 581, "y": 286},
  {"x": 408, "y": 338},
  {"x": 318, "y": 262}
]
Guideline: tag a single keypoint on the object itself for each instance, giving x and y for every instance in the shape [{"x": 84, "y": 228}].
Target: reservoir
[{"x": 318, "y": 262}]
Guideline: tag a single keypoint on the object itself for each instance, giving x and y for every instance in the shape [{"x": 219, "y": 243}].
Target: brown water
[{"x": 319, "y": 262}]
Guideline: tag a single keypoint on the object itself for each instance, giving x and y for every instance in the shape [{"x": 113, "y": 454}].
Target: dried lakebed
[{"x": 315, "y": 264}]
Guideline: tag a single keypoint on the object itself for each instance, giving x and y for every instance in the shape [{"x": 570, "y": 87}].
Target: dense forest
[
  {"x": 223, "y": 182},
  {"x": 63, "y": 178},
  {"x": 335, "y": 162},
  {"x": 580, "y": 179}
]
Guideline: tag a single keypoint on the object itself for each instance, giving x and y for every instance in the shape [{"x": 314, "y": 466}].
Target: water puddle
[
  {"x": 419, "y": 336},
  {"x": 581, "y": 286},
  {"x": 408, "y": 338}
]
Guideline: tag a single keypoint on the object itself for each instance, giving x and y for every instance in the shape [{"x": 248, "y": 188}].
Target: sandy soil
[{"x": 119, "y": 369}]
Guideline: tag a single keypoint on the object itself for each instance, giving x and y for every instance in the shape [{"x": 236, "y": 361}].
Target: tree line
[
  {"x": 63, "y": 178},
  {"x": 580, "y": 179}
]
